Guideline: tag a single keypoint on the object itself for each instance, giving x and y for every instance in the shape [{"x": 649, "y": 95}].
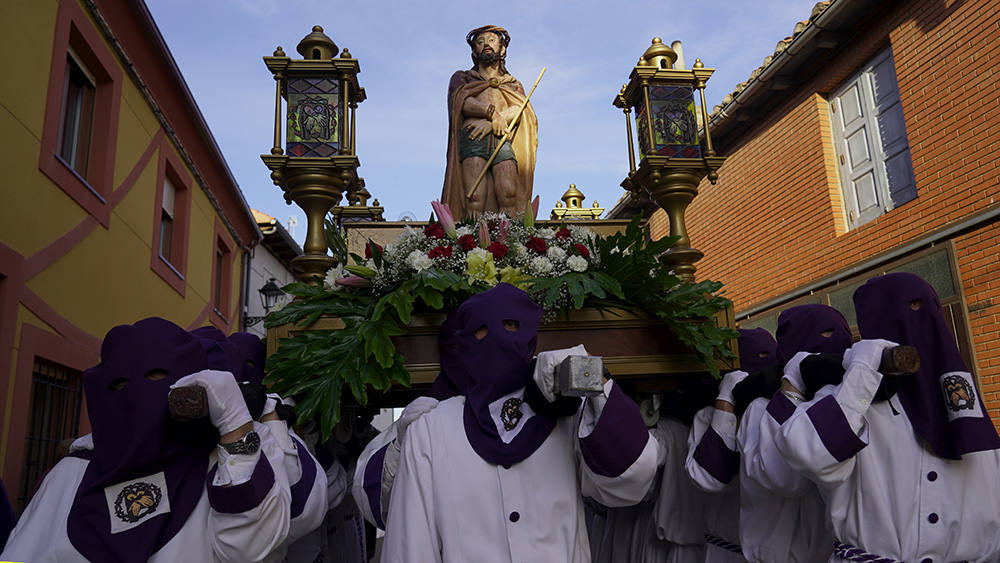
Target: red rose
[
  {"x": 440, "y": 252},
  {"x": 468, "y": 242},
  {"x": 582, "y": 250},
  {"x": 537, "y": 245},
  {"x": 368, "y": 249},
  {"x": 562, "y": 233},
  {"x": 499, "y": 250},
  {"x": 434, "y": 231}
]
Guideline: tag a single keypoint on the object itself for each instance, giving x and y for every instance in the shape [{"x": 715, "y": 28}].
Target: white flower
[
  {"x": 419, "y": 261},
  {"x": 546, "y": 234},
  {"x": 518, "y": 249},
  {"x": 370, "y": 264},
  {"x": 615, "y": 250},
  {"x": 463, "y": 230},
  {"x": 556, "y": 254},
  {"x": 411, "y": 233},
  {"x": 332, "y": 275},
  {"x": 541, "y": 265},
  {"x": 577, "y": 263}
]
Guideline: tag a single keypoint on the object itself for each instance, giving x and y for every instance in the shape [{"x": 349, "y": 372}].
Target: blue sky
[{"x": 408, "y": 51}]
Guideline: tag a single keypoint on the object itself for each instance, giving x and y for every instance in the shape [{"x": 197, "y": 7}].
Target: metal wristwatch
[{"x": 249, "y": 444}]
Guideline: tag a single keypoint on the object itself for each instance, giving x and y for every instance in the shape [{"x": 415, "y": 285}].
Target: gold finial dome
[
  {"x": 317, "y": 45},
  {"x": 573, "y": 197},
  {"x": 659, "y": 55}
]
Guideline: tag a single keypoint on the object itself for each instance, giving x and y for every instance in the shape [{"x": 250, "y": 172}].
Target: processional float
[{"x": 316, "y": 167}]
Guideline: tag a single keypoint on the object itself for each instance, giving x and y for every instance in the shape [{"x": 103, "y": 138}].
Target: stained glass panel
[
  {"x": 675, "y": 129},
  {"x": 313, "y": 118}
]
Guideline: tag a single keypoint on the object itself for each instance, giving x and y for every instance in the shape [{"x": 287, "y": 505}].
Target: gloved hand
[
  {"x": 417, "y": 408},
  {"x": 867, "y": 353},
  {"x": 226, "y": 407},
  {"x": 545, "y": 368},
  {"x": 793, "y": 371},
  {"x": 273, "y": 400},
  {"x": 728, "y": 382}
]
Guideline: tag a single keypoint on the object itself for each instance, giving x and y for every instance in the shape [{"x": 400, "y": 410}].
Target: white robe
[
  {"x": 714, "y": 432},
  {"x": 451, "y": 506},
  {"x": 679, "y": 507},
  {"x": 208, "y": 534},
  {"x": 888, "y": 494},
  {"x": 782, "y": 516}
]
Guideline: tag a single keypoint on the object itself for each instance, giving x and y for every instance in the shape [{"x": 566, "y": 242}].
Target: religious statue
[{"x": 482, "y": 104}]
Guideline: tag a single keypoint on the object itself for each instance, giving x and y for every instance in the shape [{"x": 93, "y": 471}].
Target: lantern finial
[
  {"x": 659, "y": 55},
  {"x": 317, "y": 45}
]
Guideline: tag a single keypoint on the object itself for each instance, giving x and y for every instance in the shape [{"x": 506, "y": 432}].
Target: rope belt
[
  {"x": 848, "y": 552},
  {"x": 719, "y": 542}
]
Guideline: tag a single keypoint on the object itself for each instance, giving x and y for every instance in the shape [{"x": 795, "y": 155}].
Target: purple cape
[
  {"x": 903, "y": 308},
  {"x": 134, "y": 437},
  {"x": 811, "y": 328},
  {"x": 497, "y": 365},
  {"x": 757, "y": 349}
]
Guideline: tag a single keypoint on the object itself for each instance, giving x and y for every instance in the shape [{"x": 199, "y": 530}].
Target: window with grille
[
  {"x": 54, "y": 416},
  {"x": 873, "y": 151}
]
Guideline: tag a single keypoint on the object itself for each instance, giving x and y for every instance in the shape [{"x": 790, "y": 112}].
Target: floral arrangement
[{"x": 437, "y": 267}]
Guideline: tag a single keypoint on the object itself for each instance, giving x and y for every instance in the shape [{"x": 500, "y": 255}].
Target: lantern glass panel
[
  {"x": 314, "y": 117},
  {"x": 642, "y": 128},
  {"x": 675, "y": 129}
]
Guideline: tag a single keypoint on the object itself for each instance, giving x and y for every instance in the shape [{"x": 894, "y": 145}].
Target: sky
[{"x": 409, "y": 50}]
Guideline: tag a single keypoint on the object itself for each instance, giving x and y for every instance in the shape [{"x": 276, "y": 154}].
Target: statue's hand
[
  {"x": 499, "y": 124},
  {"x": 479, "y": 129}
]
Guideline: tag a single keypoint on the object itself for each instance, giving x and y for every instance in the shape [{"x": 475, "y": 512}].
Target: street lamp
[
  {"x": 674, "y": 158},
  {"x": 269, "y": 295}
]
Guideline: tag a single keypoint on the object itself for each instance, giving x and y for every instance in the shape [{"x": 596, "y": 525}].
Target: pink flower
[
  {"x": 581, "y": 249},
  {"x": 445, "y": 217},
  {"x": 504, "y": 225},
  {"x": 484, "y": 235},
  {"x": 354, "y": 281},
  {"x": 534, "y": 207}
]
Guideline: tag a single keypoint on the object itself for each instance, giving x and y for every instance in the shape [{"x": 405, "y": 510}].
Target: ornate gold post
[
  {"x": 674, "y": 157},
  {"x": 318, "y": 163}
]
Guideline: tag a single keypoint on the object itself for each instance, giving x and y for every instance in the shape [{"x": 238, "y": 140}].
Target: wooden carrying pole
[{"x": 506, "y": 135}]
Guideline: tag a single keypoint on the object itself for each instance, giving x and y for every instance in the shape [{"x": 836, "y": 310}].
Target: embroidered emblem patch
[
  {"x": 137, "y": 501},
  {"x": 958, "y": 393},
  {"x": 511, "y": 413},
  {"x": 131, "y": 503}
]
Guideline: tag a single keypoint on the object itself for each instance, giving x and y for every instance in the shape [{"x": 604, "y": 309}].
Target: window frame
[
  {"x": 874, "y": 108},
  {"x": 221, "y": 288},
  {"x": 172, "y": 269},
  {"x": 76, "y": 37}
]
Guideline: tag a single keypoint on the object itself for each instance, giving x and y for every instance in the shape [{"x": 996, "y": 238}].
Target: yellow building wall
[{"x": 104, "y": 277}]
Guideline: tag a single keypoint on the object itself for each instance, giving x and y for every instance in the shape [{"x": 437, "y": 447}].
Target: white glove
[
  {"x": 273, "y": 400},
  {"x": 545, "y": 368},
  {"x": 867, "y": 353},
  {"x": 226, "y": 406},
  {"x": 728, "y": 382},
  {"x": 417, "y": 408},
  {"x": 793, "y": 370}
]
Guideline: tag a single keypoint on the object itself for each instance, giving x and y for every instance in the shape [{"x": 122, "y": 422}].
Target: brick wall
[{"x": 775, "y": 220}]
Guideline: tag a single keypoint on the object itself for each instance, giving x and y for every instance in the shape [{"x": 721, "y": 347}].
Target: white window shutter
[
  {"x": 892, "y": 129},
  {"x": 856, "y": 153},
  {"x": 169, "y": 196}
]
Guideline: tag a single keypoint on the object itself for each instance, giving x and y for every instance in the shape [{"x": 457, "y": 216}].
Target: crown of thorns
[{"x": 504, "y": 36}]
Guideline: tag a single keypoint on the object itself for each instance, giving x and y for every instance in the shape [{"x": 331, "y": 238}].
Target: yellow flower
[
  {"x": 479, "y": 266},
  {"x": 514, "y": 276}
]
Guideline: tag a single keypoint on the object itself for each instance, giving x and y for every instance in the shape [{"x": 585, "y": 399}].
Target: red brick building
[{"x": 866, "y": 143}]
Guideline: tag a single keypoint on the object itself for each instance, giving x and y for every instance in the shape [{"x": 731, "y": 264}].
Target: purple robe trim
[
  {"x": 618, "y": 438},
  {"x": 373, "y": 483},
  {"x": 242, "y": 497},
  {"x": 780, "y": 407},
  {"x": 833, "y": 429},
  {"x": 712, "y": 454},
  {"x": 303, "y": 487}
]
